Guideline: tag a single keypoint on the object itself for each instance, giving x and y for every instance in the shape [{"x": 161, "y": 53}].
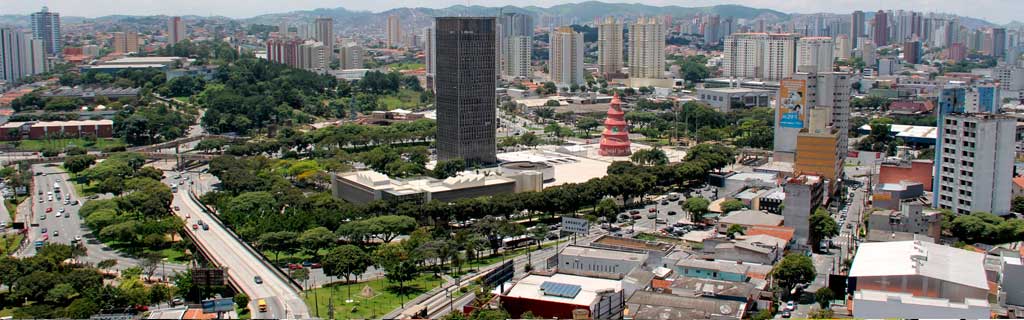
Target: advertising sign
[
  {"x": 575, "y": 225},
  {"x": 792, "y": 103},
  {"x": 218, "y": 305}
]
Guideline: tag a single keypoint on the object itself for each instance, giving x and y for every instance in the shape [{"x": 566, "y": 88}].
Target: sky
[{"x": 998, "y": 11}]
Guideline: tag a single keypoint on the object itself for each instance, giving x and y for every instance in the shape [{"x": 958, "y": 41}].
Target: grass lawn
[
  {"x": 486, "y": 261},
  {"x": 386, "y": 297},
  {"x": 12, "y": 206},
  {"x": 92, "y": 144},
  {"x": 403, "y": 99},
  {"x": 406, "y": 66},
  {"x": 7, "y": 312},
  {"x": 9, "y": 243},
  {"x": 181, "y": 99}
]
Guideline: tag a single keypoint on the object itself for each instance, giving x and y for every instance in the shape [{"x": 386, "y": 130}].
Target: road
[
  {"x": 243, "y": 266},
  {"x": 69, "y": 224}
]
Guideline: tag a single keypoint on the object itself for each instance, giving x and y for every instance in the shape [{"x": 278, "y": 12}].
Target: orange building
[{"x": 817, "y": 149}]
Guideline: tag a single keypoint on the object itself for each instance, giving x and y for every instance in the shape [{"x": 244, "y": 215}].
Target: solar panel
[{"x": 560, "y": 289}]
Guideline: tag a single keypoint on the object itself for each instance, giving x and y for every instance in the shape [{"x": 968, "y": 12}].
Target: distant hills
[{"x": 581, "y": 12}]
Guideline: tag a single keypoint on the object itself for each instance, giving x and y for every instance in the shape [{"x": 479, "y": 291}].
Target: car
[
  {"x": 74, "y": 203},
  {"x": 294, "y": 266},
  {"x": 46, "y": 237},
  {"x": 176, "y": 208},
  {"x": 78, "y": 238},
  {"x": 195, "y": 226},
  {"x": 257, "y": 280},
  {"x": 787, "y": 314},
  {"x": 43, "y": 230},
  {"x": 49, "y": 198},
  {"x": 59, "y": 180},
  {"x": 849, "y": 226},
  {"x": 40, "y": 200},
  {"x": 177, "y": 301},
  {"x": 307, "y": 264},
  {"x": 652, "y": 210},
  {"x": 48, "y": 210},
  {"x": 635, "y": 217},
  {"x": 56, "y": 233},
  {"x": 94, "y": 197},
  {"x": 790, "y": 306},
  {"x": 652, "y": 216},
  {"x": 67, "y": 197},
  {"x": 316, "y": 265},
  {"x": 49, "y": 193},
  {"x": 681, "y": 202},
  {"x": 206, "y": 227},
  {"x": 552, "y": 236},
  {"x": 671, "y": 213},
  {"x": 42, "y": 217},
  {"x": 664, "y": 202},
  {"x": 59, "y": 214},
  {"x": 67, "y": 202},
  {"x": 61, "y": 210},
  {"x": 634, "y": 212},
  {"x": 40, "y": 192},
  {"x": 660, "y": 221}
]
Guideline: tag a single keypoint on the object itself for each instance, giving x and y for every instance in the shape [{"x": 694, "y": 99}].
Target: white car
[
  {"x": 59, "y": 214},
  {"x": 790, "y": 306},
  {"x": 49, "y": 198}
]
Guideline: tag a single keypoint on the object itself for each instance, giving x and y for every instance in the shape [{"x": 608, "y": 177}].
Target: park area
[{"x": 380, "y": 298}]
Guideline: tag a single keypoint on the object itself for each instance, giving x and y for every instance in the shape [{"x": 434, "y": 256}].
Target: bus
[
  {"x": 516, "y": 242},
  {"x": 262, "y": 305}
]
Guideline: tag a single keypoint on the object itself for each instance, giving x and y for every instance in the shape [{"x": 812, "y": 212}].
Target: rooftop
[
  {"x": 905, "y": 131},
  {"x": 687, "y": 286},
  {"x": 632, "y": 244},
  {"x": 906, "y": 298},
  {"x": 736, "y": 90},
  {"x": 752, "y": 218},
  {"x": 531, "y": 286},
  {"x": 379, "y": 181},
  {"x": 879, "y": 259},
  {"x": 653, "y": 305},
  {"x": 721, "y": 266},
  {"x": 780, "y": 232},
  {"x": 580, "y": 251}
]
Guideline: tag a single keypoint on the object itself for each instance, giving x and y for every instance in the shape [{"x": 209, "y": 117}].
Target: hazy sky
[{"x": 999, "y": 11}]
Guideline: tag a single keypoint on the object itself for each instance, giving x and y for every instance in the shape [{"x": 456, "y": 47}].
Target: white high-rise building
[
  {"x": 351, "y": 56},
  {"x": 323, "y": 32},
  {"x": 313, "y": 56},
  {"x": 394, "y": 32},
  {"x": 816, "y": 89},
  {"x": 175, "y": 30},
  {"x": 815, "y": 52},
  {"x": 20, "y": 55},
  {"x": 844, "y": 47},
  {"x": 974, "y": 171},
  {"x": 610, "y": 46},
  {"x": 647, "y": 48},
  {"x": 566, "y": 57},
  {"x": 764, "y": 56},
  {"x": 516, "y": 42}
]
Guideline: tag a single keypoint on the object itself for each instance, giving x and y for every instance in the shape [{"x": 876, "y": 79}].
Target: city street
[{"x": 69, "y": 224}]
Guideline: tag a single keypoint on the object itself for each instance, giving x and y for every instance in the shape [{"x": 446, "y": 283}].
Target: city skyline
[{"x": 995, "y": 11}]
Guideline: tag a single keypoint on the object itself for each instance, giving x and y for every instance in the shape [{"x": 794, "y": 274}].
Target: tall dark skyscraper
[
  {"x": 856, "y": 27},
  {"x": 465, "y": 82},
  {"x": 881, "y": 31}
]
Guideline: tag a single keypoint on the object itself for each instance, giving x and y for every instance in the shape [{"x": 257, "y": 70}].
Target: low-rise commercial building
[
  {"x": 727, "y": 99},
  {"x": 558, "y": 295},
  {"x": 913, "y": 217},
  {"x": 917, "y": 279},
  {"x": 748, "y": 218},
  {"x": 13, "y": 131},
  {"x": 578, "y": 259},
  {"x": 709, "y": 269},
  {"x": 365, "y": 186}
]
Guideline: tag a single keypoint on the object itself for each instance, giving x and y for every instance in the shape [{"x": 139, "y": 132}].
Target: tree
[
  {"x": 731, "y": 205},
  {"x": 552, "y": 103},
  {"x": 587, "y": 124},
  {"x": 241, "y": 300},
  {"x": 397, "y": 263},
  {"x": 734, "y": 229},
  {"x": 346, "y": 261},
  {"x": 823, "y": 296},
  {"x": 822, "y": 226},
  {"x": 78, "y": 163},
  {"x": 696, "y": 207},
  {"x": 81, "y": 308},
  {"x": 313, "y": 239},
  {"x": 650, "y": 157},
  {"x": 448, "y": 168},
  {"x": 608, "y": 209},
  {"x": 277, "y": 242},
  {"x": 795, "y": 268},
  {"x": 1018, "y": 204}
]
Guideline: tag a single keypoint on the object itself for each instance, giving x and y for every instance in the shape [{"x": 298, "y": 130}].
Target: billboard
[
  {"x": 792, "y": 103},
  {"x": 575, "y": 225}
]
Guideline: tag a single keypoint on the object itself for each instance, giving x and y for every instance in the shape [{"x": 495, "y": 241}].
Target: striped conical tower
[{"x": 615, "y": 137}]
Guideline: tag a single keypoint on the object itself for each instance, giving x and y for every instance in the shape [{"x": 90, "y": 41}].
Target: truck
[
  {"x": 39, "y": 244},
  {"x": 262, "y": 303},
  {"x": 56, "y": 187}
]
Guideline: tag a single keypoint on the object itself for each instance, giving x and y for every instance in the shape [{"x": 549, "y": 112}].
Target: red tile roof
[
  {"x": 1019, "y": 181},
  {"x": 784, "y": 233}
]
